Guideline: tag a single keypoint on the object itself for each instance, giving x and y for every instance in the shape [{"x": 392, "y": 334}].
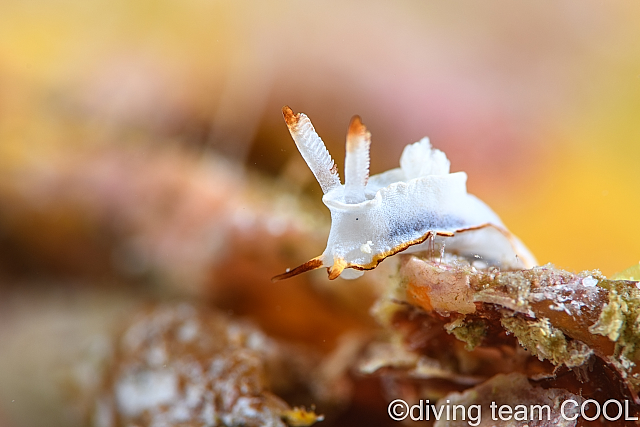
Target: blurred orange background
[
  {"x": 537, "y": 102},
  {"x": 139, "y": 133}
]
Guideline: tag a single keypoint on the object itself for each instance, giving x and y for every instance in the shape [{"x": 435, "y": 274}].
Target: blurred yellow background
[
  {"x": 537, "y": 101},
  {"x": 135, "y": 138}
]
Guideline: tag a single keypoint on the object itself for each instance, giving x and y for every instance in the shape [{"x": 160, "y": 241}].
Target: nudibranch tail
[
  {"x": 525, "y": 258},
  {"x": 312, "y": 264},
  {"x": 312, "y": 149},
  {"x": 356, "y": 164}
]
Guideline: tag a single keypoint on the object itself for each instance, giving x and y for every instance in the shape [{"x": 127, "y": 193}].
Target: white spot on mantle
[{"x": 366, "y": 248}]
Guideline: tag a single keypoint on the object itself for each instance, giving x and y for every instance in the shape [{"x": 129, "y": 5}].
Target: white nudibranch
[{"x": 416, "y": 207}]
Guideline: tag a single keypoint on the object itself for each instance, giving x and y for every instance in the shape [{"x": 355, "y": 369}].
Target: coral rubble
[
  {"x": 452, "y": 326},
  {"x": 177, "y": 365}
]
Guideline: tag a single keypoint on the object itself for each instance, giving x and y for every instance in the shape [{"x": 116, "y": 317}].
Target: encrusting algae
[{"x": 580, "y": 331}]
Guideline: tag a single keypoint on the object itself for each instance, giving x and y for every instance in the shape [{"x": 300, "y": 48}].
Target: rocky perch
[{"x": 454, "y": 328}]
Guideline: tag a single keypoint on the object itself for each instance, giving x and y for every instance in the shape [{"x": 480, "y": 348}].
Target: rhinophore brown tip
[
  {"x": 356, "y": 128},
  {"x": 358, "y": 137},
  {"x": 290, "y": 118}
]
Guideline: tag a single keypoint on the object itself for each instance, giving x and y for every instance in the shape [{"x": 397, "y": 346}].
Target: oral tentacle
[{"x": 312, "y": 264}]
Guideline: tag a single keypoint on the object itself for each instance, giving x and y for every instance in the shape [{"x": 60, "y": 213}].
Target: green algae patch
[
  {"x": 470, "y": 332},
  {"x": 620, "y": 318},
  {"x": 612, "y": 318},
  {"x": 620, "y": 322},
  {"x": 547, "y": 342}
]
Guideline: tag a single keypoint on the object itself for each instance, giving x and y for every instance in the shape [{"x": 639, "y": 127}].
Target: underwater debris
[
  {"x": 177, "y": 365},
  {"x": 533, "y": 406}
]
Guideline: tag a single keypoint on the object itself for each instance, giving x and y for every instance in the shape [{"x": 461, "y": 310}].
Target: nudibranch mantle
[{"x": 411, "y": 208}]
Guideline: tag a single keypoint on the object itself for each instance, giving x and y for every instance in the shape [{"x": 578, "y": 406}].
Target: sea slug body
[{"x": 418, "y": 206}]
